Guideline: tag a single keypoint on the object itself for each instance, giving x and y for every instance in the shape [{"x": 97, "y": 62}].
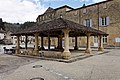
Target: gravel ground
[{"x": 99, "y": 67}]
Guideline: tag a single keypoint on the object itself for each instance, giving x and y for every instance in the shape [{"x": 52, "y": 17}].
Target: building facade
[{"x": 104, "y": 16}]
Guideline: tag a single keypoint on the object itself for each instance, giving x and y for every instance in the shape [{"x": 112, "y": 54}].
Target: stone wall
[{"x": 93, "y": 12}]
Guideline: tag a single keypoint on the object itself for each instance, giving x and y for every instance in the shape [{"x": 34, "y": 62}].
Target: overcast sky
[{"x": 20, "y": 11}]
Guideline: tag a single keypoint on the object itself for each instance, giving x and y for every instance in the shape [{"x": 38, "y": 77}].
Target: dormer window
[
  {"x": 88, "y": 22},
  {"x": 39, "y": 18},
  {"x": 61, "y": 16},
  {"x": 105, "y": 6},
  {"x": 76, "y": 13},
  {"x": 50, "y": 16},
  {"x": 43, "y": 17},
  {"x": 84, "y": 10}
]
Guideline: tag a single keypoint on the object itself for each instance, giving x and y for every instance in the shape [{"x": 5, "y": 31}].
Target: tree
[{"x": 27, "y": 25}]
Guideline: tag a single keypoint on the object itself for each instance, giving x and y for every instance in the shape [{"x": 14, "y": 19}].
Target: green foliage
[{"x": 27, "y": 25}]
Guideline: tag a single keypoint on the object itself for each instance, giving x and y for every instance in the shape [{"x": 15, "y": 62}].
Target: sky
[{"x": 20, "y": 11}]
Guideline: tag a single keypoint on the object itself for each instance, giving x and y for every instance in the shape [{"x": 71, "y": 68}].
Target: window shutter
[
  {"x": 108, "y": 20},
  {"x": 84, "y": 22},
  {"x": 90, "y": 22},
  {"x": 100, "y": 21}
]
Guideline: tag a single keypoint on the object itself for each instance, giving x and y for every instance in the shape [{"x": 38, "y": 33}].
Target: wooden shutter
[
  {"x": 84, "y": 22},
  {"x": 108, "y": 20},
  {"x": 90, "y": 22},
  {"x": 100, "y": 21}
]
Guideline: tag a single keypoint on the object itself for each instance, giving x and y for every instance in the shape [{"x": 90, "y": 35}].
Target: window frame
[
  {"x": 88, "y": 22},
  {"x": 104, "y": 39},
  {"x": 104, "y": 21},
  {"x": 84, "y": 10}
]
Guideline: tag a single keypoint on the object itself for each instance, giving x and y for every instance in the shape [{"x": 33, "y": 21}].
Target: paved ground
[{"x": 98, "y": 67}]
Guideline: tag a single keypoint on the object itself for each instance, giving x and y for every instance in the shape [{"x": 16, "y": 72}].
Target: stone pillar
[
  {"x": 100, "y": 48},
  {"x": 76, "y": 46},
  {"x": 49, "y": 43},
  {"x": 60, "y": 43},
  {"x": 66, "y": 54},
  {"x": 88, "y": 49},
  {"x": 26, "y": 41},
  {"x": 36, "y": 50},
  {"x": 18, "y": 45},
  {"x": 42, "y": 47}
]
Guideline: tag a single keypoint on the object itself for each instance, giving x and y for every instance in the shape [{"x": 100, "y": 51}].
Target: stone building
[{"x": 103, "y": 16}]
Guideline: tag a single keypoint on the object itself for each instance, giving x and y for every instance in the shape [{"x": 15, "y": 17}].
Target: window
[
  {"x": 105, "y": 6},
  {"x": 61, "y": 16},
  {"x": 39, "y": 18},
  {"x": 76, "y": 13},
  {"x": 84, "y": 11},
  {"x": 50, "y": 16},
  {"x": 104, "y": 39},
  {"x": 88, "y": 22},
  {"x": 104, "y": 21},
  {"x": 43, "y": 17}
]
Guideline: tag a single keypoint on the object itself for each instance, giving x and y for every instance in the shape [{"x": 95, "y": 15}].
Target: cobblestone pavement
[{"x": 99, "y": 67}]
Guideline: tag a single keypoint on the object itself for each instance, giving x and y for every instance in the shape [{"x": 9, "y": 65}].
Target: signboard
[{"x": 117, "y": 39}]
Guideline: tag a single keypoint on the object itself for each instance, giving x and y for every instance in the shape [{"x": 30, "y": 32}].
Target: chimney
[{"x": 83, "y": 5}]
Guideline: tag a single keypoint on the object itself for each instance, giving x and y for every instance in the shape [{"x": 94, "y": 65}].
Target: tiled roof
[
  {"x": 49, "y": 10},
  {"x": 58, "y": 25},
  {"x": 65, "y": 6}
]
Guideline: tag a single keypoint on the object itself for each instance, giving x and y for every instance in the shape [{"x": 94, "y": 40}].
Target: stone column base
[
  {"x": 42, "y": 48},
  {"x": 88, "y": 51},
  {"x": 17, "y": 51},
  {"x": 100, "y": 49},
  {"x": 36, "y": 52},
  {"x": 66, "y": 55},
  {"x": 75, "y": 48}
]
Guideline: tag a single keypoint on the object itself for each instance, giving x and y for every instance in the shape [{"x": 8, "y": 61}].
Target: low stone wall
[
  {"x": 47, "y": 54},
  {"x": 26, "y": 52},
  {"x": 51, "y": 54}
]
